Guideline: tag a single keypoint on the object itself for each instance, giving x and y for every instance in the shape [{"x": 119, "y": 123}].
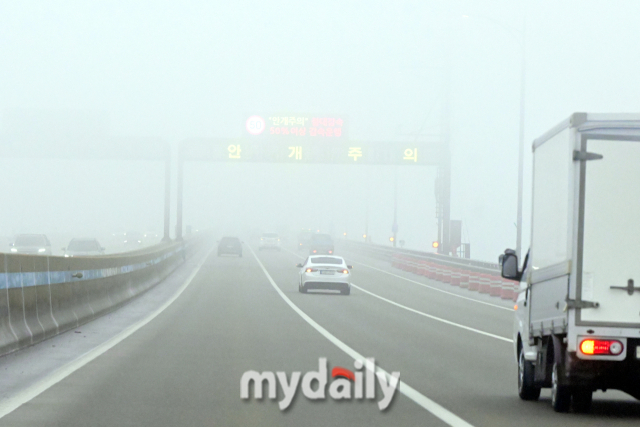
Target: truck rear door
[{"x": 610, "y": 273}]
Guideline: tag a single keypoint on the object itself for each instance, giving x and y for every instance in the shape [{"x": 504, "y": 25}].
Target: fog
[{"x": 176, "y": 70}]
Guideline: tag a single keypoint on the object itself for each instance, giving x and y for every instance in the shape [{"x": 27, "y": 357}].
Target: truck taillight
[{"x": 595, "y": 347}]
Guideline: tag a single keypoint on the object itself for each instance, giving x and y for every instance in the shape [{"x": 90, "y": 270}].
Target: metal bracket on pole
[{"x": 585, "y": 156}]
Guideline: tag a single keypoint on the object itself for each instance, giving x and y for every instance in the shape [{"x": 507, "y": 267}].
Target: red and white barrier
[
  {"x": 496, "y": 286},
  {"x": 464, "y": 279},
  {"x": 485, "y": 283},
  {"x": 455, "y": 277}
]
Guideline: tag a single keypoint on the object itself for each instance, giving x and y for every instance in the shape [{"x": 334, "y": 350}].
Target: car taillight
[
  {"x": 595, "y": 347},
  {"x": 345, "y": 271},
  {"x": 311, "y": 270},
  {"x": 314, "y": 251},
  {"x": 330, "y": 252}
]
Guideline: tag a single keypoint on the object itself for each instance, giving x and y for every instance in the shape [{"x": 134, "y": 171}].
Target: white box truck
[{"x": 577, "y": 322}]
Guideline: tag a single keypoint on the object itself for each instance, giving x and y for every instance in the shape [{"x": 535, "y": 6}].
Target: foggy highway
[
  {"x": 184, "y": 366},
  {"x": 336, "y": 212}
]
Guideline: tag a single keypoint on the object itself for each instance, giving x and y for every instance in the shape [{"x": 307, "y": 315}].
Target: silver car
[
  {"x": 269, "y": 241},
  {"x": 325, "y": 272},
  {"x": 33, "y": 244},
  {"x": 83, "y": 247}
]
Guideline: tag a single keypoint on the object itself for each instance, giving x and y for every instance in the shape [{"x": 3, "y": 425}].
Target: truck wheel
[
  {"x": 560, "y": 393},
  {"x": 526, "y": 388},
  {"x": 582, "y": 398}
]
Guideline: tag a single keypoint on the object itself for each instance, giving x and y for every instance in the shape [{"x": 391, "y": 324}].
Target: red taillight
[
  {"x": 311, "y": 270},
  {"x": 343, "y": 271},
  {"x": 314, "y": 251},
  {"x": 330, "y": 252},
  {"x": 594, "y": 347}
]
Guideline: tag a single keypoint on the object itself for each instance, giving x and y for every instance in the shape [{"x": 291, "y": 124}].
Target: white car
[
  {"x": 325, "y": 272},
  {"x": 269, "y": 241},
  {"x": 83, "y": 247},
  {"x": 32, "y": 244}
]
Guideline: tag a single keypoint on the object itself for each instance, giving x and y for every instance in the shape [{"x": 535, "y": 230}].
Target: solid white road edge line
[
  {"x": 14, "y": 402},
  {"x": 428, "y": 404},
  {"x": 439, "y": 319},
  {"x": 448, "y": 322}
]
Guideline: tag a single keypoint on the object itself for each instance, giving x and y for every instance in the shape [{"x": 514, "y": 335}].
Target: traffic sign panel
[
  {"x": 306, "y": 152},
  {"x": 255, "y": 125}
]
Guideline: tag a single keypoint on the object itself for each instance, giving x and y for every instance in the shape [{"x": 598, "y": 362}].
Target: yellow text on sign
[
  {"x": 234, "y": 151},
  {"x": 295, "y": 151},
  {"x": 355, "y": 152},
  {"x": 411, "y": 154}
]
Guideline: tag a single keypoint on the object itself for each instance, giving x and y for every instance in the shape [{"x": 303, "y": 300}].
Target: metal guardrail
[
  {"x": 388, "y": 252},
  {"x": 479, "y": 276},
  {"x": 42, "y": 296}
]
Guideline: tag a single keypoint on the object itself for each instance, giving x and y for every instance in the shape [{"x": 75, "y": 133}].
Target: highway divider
[
  {"x": 42, "y": 296},
  {"x": 478, "y": 276}
]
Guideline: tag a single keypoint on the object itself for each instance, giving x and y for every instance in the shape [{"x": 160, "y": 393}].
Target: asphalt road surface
[{"x": 183, "y": 366}]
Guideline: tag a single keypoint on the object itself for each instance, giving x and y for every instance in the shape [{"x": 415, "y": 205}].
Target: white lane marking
[
  {"x": 435, "y": 289},
  {"x": 444, "y": 414},
  {"x": 448, "y": 322},
  {"x": 439, "y": 319},
  {"x": 14, "y": 402}
]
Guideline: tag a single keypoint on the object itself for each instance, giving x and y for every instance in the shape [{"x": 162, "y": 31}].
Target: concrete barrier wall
[
  {"x": 42, "y": 296},
  {"x": 479, "y": 276}
]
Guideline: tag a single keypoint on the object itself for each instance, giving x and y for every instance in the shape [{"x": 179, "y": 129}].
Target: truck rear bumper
[{"x": 603, "y": 374}]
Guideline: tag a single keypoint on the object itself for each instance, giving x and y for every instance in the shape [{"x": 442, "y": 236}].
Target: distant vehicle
[
  {"x": 83, "y": 247},
  {"x": 269, "y": 241},
  {"x": 151, "y": 238},
  {"x": 304, "y": 239},
  {"x": 33, "y": 244},
  {"x": 230, "y": 246},
  {"x": 325, "y": 272},
  {"x": 132, "y": 239},
  {"x": 320, "y": 244}
]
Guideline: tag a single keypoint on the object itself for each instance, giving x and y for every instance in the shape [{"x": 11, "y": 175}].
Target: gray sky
[{"x": 190, "y": 69}]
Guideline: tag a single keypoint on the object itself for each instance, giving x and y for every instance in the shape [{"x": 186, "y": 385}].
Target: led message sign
[
  {"x": 351, "y": 152},
  {"x": 296, "y": 126}
]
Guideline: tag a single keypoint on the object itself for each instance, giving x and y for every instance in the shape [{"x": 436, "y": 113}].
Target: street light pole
[
  {"x": 366, "y": 218},
  {"x": 521, "y": 148},
  {"x": 394, "y": 228},
  {"x": 521, "y": 42}
]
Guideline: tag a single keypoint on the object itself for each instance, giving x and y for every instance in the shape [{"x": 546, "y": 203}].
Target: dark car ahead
[
  {"x": 320, "y": 244},
  {"x": 230, "y": 246}
]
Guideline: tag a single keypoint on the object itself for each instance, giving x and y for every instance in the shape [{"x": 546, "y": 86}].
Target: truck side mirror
[{"x": 509, "y": 262}]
